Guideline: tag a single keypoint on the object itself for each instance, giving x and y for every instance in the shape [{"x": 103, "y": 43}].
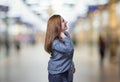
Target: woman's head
[{"x": 56, "y": 24}]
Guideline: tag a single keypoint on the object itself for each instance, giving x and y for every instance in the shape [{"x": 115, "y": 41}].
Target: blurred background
[{"x": 95, "y": 29}]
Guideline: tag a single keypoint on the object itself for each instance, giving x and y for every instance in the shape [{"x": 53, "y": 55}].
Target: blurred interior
[{"x": 95, "y": 29}]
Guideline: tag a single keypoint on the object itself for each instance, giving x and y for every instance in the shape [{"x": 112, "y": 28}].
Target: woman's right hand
[{"x": 62, "y": 35}]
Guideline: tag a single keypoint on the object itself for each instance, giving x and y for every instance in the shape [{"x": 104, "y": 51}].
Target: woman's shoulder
[{"x": 56, "y": 40}]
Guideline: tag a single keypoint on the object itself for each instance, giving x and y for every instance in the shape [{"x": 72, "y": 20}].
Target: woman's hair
[{"x": 53, "y": 31}]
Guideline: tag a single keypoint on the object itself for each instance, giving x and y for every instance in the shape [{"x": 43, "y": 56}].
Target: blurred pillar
[
  {"x": 90, "y": 16},
  {"x": 5, "y": 9},
  {"x": 113, "y": 30},
  {"x": 112, "y": 14},
  {"x": 93, "y": 11}
]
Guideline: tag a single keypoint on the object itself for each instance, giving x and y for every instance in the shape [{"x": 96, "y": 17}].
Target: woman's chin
[{"x": 66, "y": 28}]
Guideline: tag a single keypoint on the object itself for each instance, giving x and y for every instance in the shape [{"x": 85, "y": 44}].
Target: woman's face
[{"x": 63, "y": 24}]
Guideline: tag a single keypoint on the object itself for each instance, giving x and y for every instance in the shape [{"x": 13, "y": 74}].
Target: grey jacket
[{"x": 61, "y": 59}]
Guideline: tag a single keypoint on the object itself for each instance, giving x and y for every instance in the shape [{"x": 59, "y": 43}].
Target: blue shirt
[{"x": 61, "y": 59}]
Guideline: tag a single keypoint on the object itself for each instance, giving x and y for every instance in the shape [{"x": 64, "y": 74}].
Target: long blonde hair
[{"x": 53, "y": 31}]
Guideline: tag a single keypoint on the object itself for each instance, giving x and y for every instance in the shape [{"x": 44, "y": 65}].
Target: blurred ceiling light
[
  {"x": 91, "y": 2},
  {"x": 70, "y": 2},
  {"x": 69, "y": 9},
  {"x": 3, "y": 2},
  {"x": 102, "y": 2},
  {"x": 32, "y": 1},
  {"x": 97, "y": 2},
  {"x": 81, "y": 9}
]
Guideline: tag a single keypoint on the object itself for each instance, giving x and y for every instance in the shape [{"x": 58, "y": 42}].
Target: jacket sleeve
[
  {"x": 63, "y": 47},
  {"x": 73, "y": 65}
]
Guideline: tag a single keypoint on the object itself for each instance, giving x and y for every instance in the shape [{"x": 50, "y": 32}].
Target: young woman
[{"x": 59, "y": 45}]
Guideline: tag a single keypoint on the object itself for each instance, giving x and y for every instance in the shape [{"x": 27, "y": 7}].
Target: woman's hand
[
  {"x": 62, "y": 35},
  {"x": 73, "y": 70}
]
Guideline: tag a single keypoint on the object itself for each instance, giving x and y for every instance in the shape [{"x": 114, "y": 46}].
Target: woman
[{"x": 59, "y": 45}]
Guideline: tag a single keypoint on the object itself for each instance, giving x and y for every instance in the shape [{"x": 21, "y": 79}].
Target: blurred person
[
  {"x": 17, "y": 43},
  {"x": 59, "y": 45},
  {"x": 7, "y": 46},
  {"x": 1, "y": 42},
  {"x": 74, "y": 39},
  {"x": 32, "y": 39},
  {"x": 101, "y": 43}
]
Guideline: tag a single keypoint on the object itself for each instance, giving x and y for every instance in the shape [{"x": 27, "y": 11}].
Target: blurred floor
[{"x": 30, "y": 65}]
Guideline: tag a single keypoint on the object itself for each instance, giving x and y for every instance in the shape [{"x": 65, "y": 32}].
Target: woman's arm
[{"x": 64, "y": 47}]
